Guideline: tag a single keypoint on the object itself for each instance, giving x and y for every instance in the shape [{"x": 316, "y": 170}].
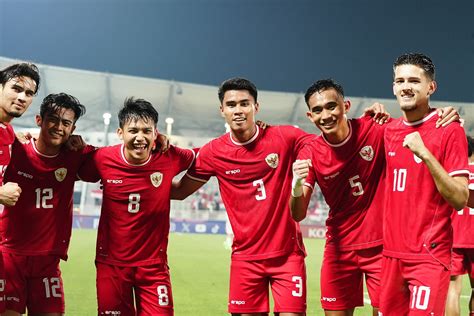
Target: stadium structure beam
[{"x": 294, "y": 111}]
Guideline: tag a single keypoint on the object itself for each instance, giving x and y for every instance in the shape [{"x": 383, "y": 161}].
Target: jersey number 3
[{"x": 262, "y": 195}]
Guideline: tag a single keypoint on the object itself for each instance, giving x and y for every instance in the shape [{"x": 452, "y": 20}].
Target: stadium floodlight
[
  {"x": 169, "y": 124},
  {"x": 107, "y": 117}
]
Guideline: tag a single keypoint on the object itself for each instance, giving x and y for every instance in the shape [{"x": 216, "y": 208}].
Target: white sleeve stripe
[
  {"x": 194, "y": 158},
  {"x": 309, "y": 186},
  {"x": 196, "y": 179},
  {"x": 471, "y": 186},
  {"x": 459, "y": 173}
]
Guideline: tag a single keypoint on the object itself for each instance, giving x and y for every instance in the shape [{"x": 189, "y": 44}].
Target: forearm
[
  {"x": 299, "y": 205},
  {"x": 453, "y": 189},
  {"x": 298, "y": 211}
]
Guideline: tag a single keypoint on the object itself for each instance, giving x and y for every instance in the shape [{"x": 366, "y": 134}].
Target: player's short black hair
[
  {"x": 137, "y": 109},
  {"x": 237, "y": 84},
  {"x": 322, "y": 85},
  {"x": 470, "y": 145},
  {"x": 53, "y": 102},
  {"x": 417, "y": 59},
  {"x": 20, "y": 70}
]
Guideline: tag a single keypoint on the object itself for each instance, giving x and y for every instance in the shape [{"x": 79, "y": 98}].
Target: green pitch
[{"x": 199, "y": 274}]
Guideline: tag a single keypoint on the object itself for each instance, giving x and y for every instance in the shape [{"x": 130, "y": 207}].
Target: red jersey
[
  {"x": 40, "y": 222},
  {"x": 135, "y": 217},
  {"x": 7, "y": 137},
  {"x": 351, "y": 177},
  {"x": 463, "y": 220},
  {"x": 417, "y": 221},
  {"x": 255, "y": 184}
]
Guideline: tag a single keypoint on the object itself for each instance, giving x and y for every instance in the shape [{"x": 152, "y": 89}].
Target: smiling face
[
  {"x": 55, "y": 130},
  {"x": 138, "y": 138},
  {"x": 16, "y": 96},
  {"x": 238, "y": 108},
  {"x": 413, "y": 88},
  {"x": 327, "y": 110}
]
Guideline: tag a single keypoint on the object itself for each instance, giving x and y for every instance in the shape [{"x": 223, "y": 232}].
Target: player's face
[
  {"x": 238, "y": 108},
  {"x": 16, "y": 96},
  {"x": 56, "y": 127},
  {"x": 327, "y": 111},
  {"x": 412, "y": 87},
  {"x": 138, "y": 139}
]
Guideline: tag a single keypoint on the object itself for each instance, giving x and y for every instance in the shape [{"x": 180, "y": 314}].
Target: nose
[
  {"x": 238, "y": 109},
  {"x": 140, "y": 136},
  {"x": 405, "y": 86},
  {"x": 325, "y": 114},
  {"x": 22, "y": 96}
]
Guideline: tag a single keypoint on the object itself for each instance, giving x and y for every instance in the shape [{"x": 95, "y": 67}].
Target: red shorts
[
  {"x": 462, "y": 261},
  {"x": 249, "y": 281},
  {"x": 33, "y": 282},
  {"x": 342, "y": 274},
  {"x": 117, "y": 286},
  {"x": 413, "y": 287}
]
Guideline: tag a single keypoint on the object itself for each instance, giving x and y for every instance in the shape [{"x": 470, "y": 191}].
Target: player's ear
[
  {"x": 38, "y": 120},
  {"x": 432, "y": 88},
  {"x": 257, "y": 106},
  {"x": 347, "y": 106},
  {"x": 221, "y": 108},
  {"x": 120, "y": 133}
]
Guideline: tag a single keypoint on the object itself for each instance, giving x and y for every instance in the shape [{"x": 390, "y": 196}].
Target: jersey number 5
[{"x": 356, "y": 185}]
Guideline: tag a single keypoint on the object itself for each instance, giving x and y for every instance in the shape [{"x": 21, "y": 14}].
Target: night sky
[{"x": 281, "y": 45}]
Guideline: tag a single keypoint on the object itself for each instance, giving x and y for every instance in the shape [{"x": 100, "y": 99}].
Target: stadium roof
[{"x": 194, "y": 108}]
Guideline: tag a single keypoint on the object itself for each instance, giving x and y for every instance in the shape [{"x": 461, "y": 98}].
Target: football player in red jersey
[
  {"x": 253, "y": 166},
  {"x": 36, "y": 231},
  {"x": 347, "y": 161},
  {"x": 19, "y": 84},
  {"x": 427, "y": 175},
  {"x": 131, "y": 254}
]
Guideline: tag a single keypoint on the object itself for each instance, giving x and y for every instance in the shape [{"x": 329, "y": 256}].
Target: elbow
[
  {"x": 298, "y": 216},
  {"x": 462, "y": 199}
]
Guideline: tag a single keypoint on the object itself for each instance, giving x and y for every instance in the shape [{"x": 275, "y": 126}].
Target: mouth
[
  {"x": 139, "y": 148},
  {"x": 328, "y": 125},
  {"x": 239, "y": 120},
  {"x": 407, "y": 96},
  {"x": 56, "y": 135}
]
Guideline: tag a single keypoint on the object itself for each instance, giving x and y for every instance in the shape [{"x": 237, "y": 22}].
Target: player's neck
[
  {"x": 417, "y": 114},
  {"x": 45, "y": 149},
  {"x": 4, "y": 117},
  {"x": 244, "y": 136}
]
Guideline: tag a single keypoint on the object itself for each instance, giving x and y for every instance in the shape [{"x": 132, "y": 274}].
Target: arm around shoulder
[{"x": 184, "y": 187}]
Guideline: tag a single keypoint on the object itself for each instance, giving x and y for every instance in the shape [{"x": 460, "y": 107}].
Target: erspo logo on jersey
[
  {"x": 111, "y": 313},
  {"x": 328, "y": 299},
  {"x": 235, "y": 302},
  {"x": 114, "y": 181}
]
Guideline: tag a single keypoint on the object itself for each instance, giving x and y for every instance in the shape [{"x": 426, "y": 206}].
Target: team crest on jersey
[
  {"x": 367, "y": 153},
  {"x": 60, "y": 174},
  {"x": 417, "y": 159},
  {"x": 156, "y": 179},
  {"x": 272, "y": 160}
]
